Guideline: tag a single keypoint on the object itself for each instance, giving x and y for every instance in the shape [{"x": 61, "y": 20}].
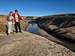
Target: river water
[{"x": 33, "y": 28}]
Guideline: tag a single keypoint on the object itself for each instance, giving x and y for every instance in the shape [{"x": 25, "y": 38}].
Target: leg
[
  {"x": 9, "y": 27},
  {"x": 6, "y": 29},
  {"x": 13, "y": 27},
  {"x": 19, "y": 27},
  {"x": 16, "y": 27}
]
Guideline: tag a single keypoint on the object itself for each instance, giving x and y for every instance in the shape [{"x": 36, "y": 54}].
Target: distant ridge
[
  {"x": 3, "y": 15},
  {"x": 65, "y": 14}
]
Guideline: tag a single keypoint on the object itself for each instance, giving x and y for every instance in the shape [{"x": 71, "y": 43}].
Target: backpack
[{"x": 10, "y": 18}]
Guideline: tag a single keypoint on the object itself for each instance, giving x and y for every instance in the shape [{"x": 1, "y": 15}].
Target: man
[{"x": 16, "y": 21}]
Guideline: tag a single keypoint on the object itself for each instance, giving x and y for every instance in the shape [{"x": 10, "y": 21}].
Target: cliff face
[{"x": 27, "y": 44}]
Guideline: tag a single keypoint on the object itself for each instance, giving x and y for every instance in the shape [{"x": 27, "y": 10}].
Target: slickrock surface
[{"x": 27, "y": 44}]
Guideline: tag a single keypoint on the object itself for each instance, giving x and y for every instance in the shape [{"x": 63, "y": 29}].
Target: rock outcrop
[{"x": 28, "y": 44}]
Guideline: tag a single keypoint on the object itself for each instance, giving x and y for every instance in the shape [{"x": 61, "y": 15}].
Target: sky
[{"x": 37, "y": 7}]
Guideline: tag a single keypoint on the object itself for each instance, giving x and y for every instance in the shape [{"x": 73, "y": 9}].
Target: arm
[{"x": 20, "y": 18}]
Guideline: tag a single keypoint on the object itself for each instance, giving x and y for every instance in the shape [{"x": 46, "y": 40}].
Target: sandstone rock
[{"x": 27, "y": 44}]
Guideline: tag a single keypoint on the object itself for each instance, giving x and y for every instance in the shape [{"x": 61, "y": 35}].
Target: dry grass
[{"x": 24, "y": 24}]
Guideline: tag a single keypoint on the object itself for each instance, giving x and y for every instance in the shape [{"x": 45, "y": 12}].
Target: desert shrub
[
  {"x": 2, "y": 27},
  {"x": 24, "y": 24}
]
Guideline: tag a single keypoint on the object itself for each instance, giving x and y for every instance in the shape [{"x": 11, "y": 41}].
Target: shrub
[
  {"x": 24, "y": 24},
  {"x": 2, "y": 27}
]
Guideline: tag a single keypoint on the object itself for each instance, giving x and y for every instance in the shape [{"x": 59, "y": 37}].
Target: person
[
  {"x": 10, "y": 23},
  {"x": 16, "y": 21}
]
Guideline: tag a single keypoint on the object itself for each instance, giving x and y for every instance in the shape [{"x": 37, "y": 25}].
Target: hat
[
  {"x": 11, "y": 12},
  {"x": 16, "y": 10}
]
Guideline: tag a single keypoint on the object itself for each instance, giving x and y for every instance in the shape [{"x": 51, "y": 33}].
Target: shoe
[
  {"x": 16, "y": 32},
  {"x": 20, "y": 31}
]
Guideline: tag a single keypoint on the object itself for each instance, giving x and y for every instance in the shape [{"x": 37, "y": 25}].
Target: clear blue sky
[{"x": 37, "y": 7}]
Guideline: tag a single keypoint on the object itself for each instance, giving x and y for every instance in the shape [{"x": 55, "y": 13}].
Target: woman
[{"x": 10, "y": 22}]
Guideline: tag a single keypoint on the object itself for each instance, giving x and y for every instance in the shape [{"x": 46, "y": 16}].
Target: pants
[
  {"x": 10, "y": 27},
  {"x": 17, "y": 27}
]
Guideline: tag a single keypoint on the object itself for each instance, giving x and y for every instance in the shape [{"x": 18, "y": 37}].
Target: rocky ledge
[{"x": 28, "y": 44}]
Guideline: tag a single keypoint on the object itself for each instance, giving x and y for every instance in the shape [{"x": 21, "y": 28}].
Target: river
[{"x": 33, "y": 28}]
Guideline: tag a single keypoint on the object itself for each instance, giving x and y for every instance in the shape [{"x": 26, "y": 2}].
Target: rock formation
[
  {"x": 57, "y": 25},
  {"x": 28, "y": 44}
]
